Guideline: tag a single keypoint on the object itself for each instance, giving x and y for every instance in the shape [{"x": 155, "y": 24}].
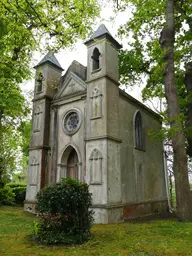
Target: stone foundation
[
  {"x": 104, "y": 214},
  {"x": 30, "y": 206},
  {"x": 108, "y": 214},
  {"x": 146, "y": 208}
]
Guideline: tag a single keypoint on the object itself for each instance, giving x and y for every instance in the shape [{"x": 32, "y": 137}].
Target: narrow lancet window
[
  {"x": 95, "y": 57},
  {"x": 139, "y": 131}
]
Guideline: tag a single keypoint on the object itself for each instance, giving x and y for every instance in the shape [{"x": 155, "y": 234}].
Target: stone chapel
[{"x": 85, "y": 127}]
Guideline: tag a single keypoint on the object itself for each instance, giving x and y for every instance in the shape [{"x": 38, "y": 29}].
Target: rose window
[{"x": 71, "y": 122}]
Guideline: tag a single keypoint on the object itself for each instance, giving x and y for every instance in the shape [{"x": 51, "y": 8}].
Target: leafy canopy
[
  {"x": 144, "y": 59},
  {"x": 26, "y": 25}
]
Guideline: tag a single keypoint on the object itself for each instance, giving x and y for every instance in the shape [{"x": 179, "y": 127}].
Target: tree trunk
[
  {"x": 188, "y": 84},
  {"x": 1, "y": 160},
  {"x": 171, "y": 190},
  {"x": 180, "y": 166}
]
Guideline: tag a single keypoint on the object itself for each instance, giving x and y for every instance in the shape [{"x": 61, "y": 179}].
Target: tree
[
  {"x": 12, "y": 110},
  {"x": 180, "y": 164},
  {"x": 161, "y": 60},
  {"x": 24, "y": 25},
  {"x": 9, "y": 150},
  {"x": 24, "y": 131},
  {"x": 188, "y": 84}
]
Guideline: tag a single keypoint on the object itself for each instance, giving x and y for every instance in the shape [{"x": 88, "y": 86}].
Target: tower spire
[
  {"x": 49, "y": 58},
  {"x": 103, "y": 32}
]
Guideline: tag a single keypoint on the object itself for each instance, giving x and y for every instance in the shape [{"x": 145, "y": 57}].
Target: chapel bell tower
[
  {"x": 48, "y": 75},
  {"x": 102, "y": 135}
]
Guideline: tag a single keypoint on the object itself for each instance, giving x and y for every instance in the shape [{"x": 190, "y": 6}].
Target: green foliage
[
  {"x": 145, "y": 54},
  {"x": 21, "y": 176},
  {"x": 26, "y": 24},
  {"x": 16, "y": 185},
  {"x": 64, "y": 212},
  {"x": 10, "y": 155},
  {"x": 19, "y": 190},
  {"x": 12, "y": 193},
  {"x": 20, "y": 194},
  {"x": 24, "y": 27},
  {"x": 7, "y": 196},
  {"x": 143, "y": 62},
  {"x": 25, "y": 130}
]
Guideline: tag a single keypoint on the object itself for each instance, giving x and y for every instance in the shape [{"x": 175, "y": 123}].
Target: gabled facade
[{"x": 85, "y": 127}]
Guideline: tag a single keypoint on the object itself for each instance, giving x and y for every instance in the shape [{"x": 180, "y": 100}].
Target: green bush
[
  {"x": 7, "y": 197},
  {"x": 16, "y": 185},
  {"x": 65, "y": 215},
  {"x": 20, "y": 193},
  {"x": 19, "y": 190}
]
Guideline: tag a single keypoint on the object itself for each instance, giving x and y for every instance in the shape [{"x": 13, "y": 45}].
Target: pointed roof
[
  {"x": 103, "y": 32},
  {"x": 78, "y": 69},
  {"x": 49, "y": 58}
]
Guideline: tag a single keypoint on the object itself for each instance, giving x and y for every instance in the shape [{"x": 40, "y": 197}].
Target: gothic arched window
[
  {"x": 139, "y": 142},
  {"x": 95, "y": 57},
  {"x": 96, "y": 167},
  {"x": 72, "y": 165}
]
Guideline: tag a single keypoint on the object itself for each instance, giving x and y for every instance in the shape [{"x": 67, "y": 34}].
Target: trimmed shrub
[
  {"x": 20, "y": 193},
  {"x": 65, "y": 215},
  {"x": 16, "y": 185},
  {"x": 7, "y": 197},
  {"x": 19, "y": 190}
]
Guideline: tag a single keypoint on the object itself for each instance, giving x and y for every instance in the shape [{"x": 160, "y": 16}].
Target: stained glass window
[
  {"x": 138, "y": 131},
  {"x": 72, "y": 122}
]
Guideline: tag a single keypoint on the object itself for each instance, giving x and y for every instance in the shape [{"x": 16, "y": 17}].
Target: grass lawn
[{"x": 152, "y": 238}]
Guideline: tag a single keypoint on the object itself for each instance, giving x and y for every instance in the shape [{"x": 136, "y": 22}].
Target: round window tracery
[{"x": 71, "y": 121}]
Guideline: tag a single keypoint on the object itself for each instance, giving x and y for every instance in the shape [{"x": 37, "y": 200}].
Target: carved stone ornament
[
  {"x": 96, "y": 167},
  {"x": 72, "y": 121}
]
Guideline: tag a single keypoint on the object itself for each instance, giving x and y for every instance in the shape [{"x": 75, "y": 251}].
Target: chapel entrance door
[{"x": 72, "y": 168}]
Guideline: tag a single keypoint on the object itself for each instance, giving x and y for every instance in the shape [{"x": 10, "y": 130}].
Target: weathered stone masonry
[{"x": 85, "y": 127}]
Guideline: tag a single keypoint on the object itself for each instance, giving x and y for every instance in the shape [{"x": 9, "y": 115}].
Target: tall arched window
[
  {"x": 95, "y": 57},
  {"x": 139, "y": 142},
  {"x": 72, "y": 165}
]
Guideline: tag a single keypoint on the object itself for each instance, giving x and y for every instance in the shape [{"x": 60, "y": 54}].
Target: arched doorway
[{"x": 72, "y": 165}]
